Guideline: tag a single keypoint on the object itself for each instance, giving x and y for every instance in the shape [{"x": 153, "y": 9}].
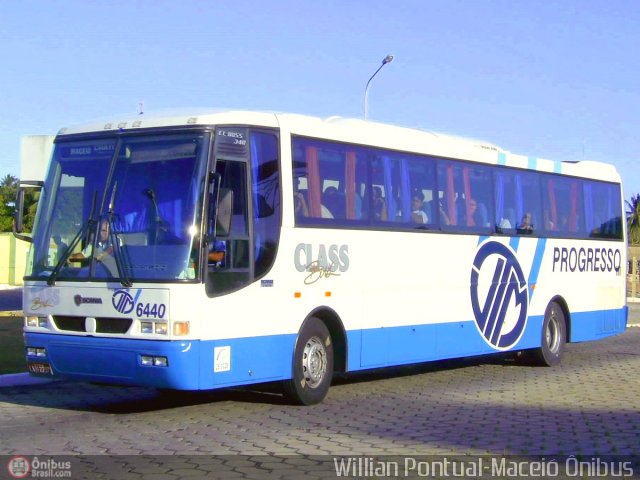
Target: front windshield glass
[{"x": 125, "y": 208}]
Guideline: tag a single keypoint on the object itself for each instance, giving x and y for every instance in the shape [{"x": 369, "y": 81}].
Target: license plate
[{"x": 40, "y": 368}]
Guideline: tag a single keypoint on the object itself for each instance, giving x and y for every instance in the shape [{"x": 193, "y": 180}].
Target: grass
[{"x": 11, "y": 346}]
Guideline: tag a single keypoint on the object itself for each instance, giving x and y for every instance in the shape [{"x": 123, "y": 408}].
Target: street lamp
[{"x": 386, "y": 60}]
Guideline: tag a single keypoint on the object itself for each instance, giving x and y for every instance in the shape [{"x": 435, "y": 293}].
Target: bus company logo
[
  {"x": 80, "y": 300},
  {"x": 499, "y": 295},
  {"x": 19, "y": 467},
  {"x": 323, "y": 261},
  {"x": 123, "y": 301}
]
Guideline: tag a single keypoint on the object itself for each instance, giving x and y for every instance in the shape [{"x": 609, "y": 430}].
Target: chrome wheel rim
[
  {"x": 552, "y": 335},
  {"x": 314, "y": 362}
]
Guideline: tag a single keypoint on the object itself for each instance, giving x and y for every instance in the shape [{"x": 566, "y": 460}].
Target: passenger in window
[
  {"x": 379, "y": 205},
  {"x": 300, "y": 204},
  {"x": 104, "y": 248},
  {"x": 526, "y": 225},
  {"x": 418, "y": 215},
  {"x": 564, "y": 223},
  {"x": 548, "y": 221},
  {"x": 61, "y": 247},
  {"x": 444, "y": 218},
  {"x": 507, "y": 222},
  {"x": 473, "y": 206},
  {"x": 481, "y": 215},
  {"x": 333, "y": 202}
]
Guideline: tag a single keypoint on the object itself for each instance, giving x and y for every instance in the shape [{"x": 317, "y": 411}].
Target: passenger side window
[
  {"x": 517, "y": 201},
  {"x": 265, "y": 177},
  {"x": 602, "y": 210},
  {"x": 329, "y": 182},
  {"x": 563, "y": 206},
  {"x": 466, "y": 198}
]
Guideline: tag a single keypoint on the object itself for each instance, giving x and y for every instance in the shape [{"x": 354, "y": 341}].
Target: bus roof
[{"x": 350, "y": 130}]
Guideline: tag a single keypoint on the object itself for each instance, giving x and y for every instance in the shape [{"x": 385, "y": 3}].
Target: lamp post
[{"x": 386, "y": 60}]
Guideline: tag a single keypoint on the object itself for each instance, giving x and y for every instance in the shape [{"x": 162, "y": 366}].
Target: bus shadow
[{"x": 115, "y": 399}]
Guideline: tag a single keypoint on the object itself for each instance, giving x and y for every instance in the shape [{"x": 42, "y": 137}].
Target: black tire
[
  {"x": 554, "y": 337},
  {"x": 312, "y": 364}
]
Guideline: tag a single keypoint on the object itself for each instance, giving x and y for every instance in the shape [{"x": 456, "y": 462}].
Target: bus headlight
[
  {"x": 154, "y": 361},
  {"x": 146, "y": 327},
  {"x": 160, "y": 362},
  {"x": 36, "y": 352},
  {"x": 33, "y": 321},
  {"x": 161, "y": 328}
]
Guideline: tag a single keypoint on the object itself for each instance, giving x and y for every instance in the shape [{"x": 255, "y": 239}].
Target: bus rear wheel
[
  {"x": 312, "y": 364},
  {"x": 554, "y": 337}
]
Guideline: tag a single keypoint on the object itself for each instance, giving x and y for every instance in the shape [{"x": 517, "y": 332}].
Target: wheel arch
[
  {"x": 562, "y": 303},
  {"x": 333, "y": 322}
]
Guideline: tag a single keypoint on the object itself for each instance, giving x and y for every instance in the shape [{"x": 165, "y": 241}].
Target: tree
[
  {"x": 633, "y": 219},
  {"x": 8, "y": 190}
]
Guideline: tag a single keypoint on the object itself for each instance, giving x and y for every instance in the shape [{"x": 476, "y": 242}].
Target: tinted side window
[
  {"x": 517, "y": 201},
  {"x": 266, "y": 199},
  {"x": 466, "y": 194},
  {"x": 329, "y": 182},
  {"x": 563, "y": 206},
  {"x": 603, "y": 217},
  {"x": 403, "y": 190}
]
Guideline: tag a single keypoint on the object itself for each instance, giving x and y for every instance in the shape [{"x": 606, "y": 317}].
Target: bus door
[{"x": 230, "y": 252}]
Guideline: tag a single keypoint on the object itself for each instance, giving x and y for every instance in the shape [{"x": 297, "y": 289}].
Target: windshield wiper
[
  {"x": 82, "y": 233},
  {"x": 125, "y": 280}
]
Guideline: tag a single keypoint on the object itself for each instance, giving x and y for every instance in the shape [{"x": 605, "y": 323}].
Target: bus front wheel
[
  {"x": 554, "y": 337},
  {"x": 312, "y": 364}
]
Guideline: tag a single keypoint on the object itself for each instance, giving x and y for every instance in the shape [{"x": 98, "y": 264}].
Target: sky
[{"x": 544, "y": 78}]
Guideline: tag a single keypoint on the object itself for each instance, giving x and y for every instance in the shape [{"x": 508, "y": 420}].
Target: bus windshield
[{"x": 121, "y": 208}]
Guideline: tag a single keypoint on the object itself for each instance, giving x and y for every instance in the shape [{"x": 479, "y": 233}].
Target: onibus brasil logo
[{"x": 499, "y": 295}]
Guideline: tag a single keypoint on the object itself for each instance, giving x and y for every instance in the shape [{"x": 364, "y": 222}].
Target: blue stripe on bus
[
  {"x": 514, "y": 243},
  {"x": 502, "y": 158},
  {"x": 557, "y": 167},
  {"x": 269, "y": 358},
  {"x": 532, "y": 163},
  {"x": 535, "y": 267}
]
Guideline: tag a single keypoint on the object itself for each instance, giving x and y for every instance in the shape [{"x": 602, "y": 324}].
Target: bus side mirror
[
  {"x": 18, "y": 222},
  {"x": 18, "y": 218}
]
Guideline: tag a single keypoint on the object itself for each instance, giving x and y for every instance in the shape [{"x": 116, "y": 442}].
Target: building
[{"x": 35, "y": 151}]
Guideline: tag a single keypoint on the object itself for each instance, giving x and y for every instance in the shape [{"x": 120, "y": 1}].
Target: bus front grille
[
  {"x": 103, "y": 324},
  {"x": 69, "y": 323},
  {"x": 113, "y": 325}
]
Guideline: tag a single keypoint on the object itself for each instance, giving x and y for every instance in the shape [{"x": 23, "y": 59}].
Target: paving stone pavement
[{"x": 590, "y": 405}]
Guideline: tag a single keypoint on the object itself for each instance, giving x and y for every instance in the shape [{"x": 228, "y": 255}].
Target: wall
[
  {"x": 13, "y": 259},
  {"x": 35, "y": 152}
]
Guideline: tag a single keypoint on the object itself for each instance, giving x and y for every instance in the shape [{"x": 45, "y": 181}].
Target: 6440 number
[{"x": 154, "y": 310}]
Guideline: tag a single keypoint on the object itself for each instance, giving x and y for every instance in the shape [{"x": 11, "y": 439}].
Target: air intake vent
[
  {"x": 113, "y": 325},
  {"x": 68, "y": 323}
]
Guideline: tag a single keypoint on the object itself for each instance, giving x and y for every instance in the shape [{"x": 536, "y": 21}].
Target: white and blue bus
[{"x": 227, "y": 248}]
